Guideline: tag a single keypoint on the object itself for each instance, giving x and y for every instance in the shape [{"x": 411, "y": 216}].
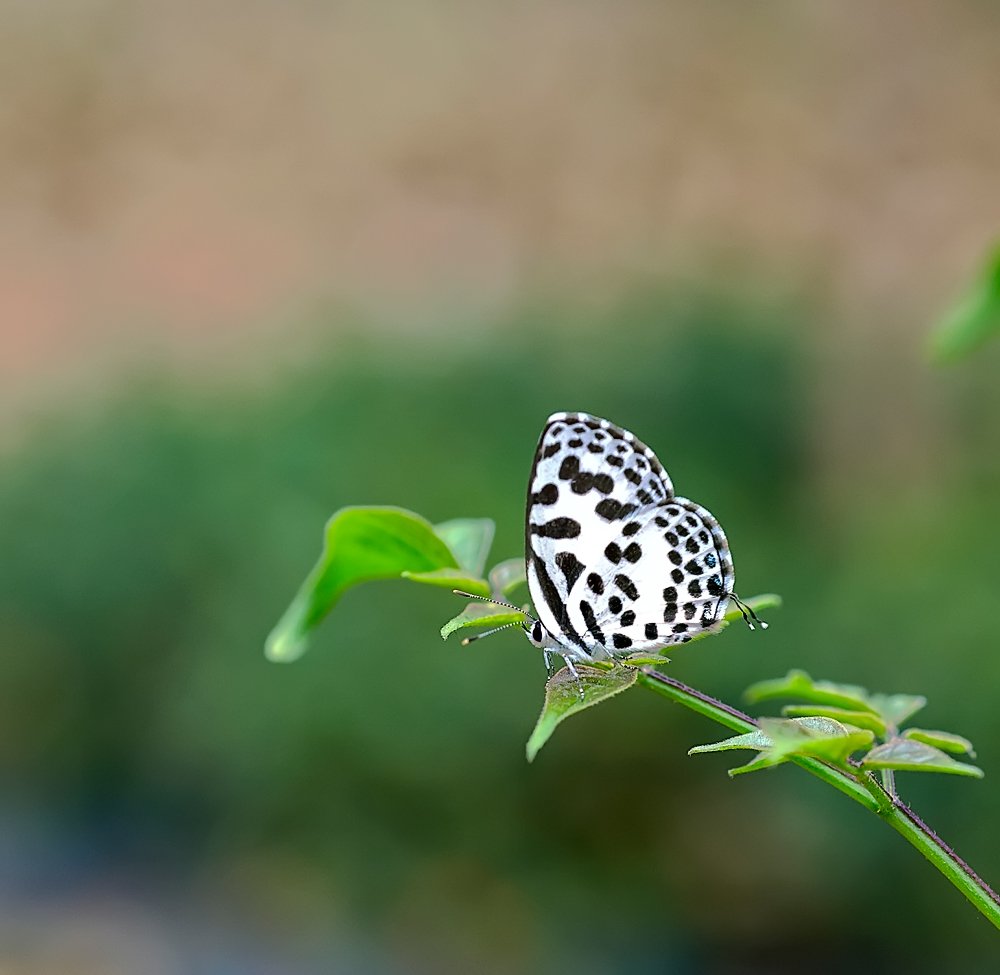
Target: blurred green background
[{"x": 264, "y": 261}]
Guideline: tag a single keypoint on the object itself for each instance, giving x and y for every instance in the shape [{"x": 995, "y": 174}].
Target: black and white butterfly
[{"x": 617, "y": 564}]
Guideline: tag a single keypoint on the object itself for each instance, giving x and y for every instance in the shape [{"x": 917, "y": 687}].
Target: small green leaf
[
  {"x": 481, "y": 616},
  {"x": 566, "y": 695},
  {"x": 974, "y": 318},
  {"x": 757, "y": 740},
  {"x": 469, "y": 540},
  {"x": 816, "y": 737},
  {"x": 896, "y": 708},
  {"x": 798, "y": 684},
  {"x": 907, "y": 754},
  {"x": 779, "y": 739},
  {"x": 860, "y": 719},
  {"x": 360, "y": 544},
  {"x": 944, "y": 740},
  {"x": 507, "y": 577}
]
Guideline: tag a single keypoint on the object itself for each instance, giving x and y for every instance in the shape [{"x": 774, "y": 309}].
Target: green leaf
[
  {"x": 565, "y": 695},
  {"x": 779, "y": 739},
  {"x": 909, "y": 755},
  {"x": 757, "y": 740},
  {"x": 360, "y": 544},
  {"x": 974, "y": 318},
  {"x": 944, "y": 740},
  {"x": 507, "y": 577},
  {"x": 798, "y": 684},
  {"x": 896, "y": 708},
  {"x": 469, "y": 540},
  {"x": 481, "y": 616},
  {"x": 450, "y": 579},
  {"x": 860, "y": 719}
]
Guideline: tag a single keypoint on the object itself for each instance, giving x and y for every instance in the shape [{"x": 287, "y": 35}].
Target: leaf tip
[{"x": 281, "y": 647}]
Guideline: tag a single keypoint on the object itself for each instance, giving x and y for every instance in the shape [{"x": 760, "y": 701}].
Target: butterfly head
[{"x": 537, "y": 633}]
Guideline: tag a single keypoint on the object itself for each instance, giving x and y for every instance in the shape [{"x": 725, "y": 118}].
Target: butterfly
[{"x": 617, "y": 565}]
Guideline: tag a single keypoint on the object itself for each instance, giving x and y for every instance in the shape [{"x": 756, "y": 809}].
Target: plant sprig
[{"x": 840, "y": 733}]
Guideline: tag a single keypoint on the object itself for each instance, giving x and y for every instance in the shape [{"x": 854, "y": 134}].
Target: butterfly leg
[{"x": 576, "y": 676}]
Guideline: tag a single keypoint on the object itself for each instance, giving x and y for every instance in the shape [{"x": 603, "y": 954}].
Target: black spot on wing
[
  {"x": 604, "y": 483},
  {"x": 551, "y": 450},
  {"x": 596, "y": 583},
  {"x": 627, "y": 586},
  {"x": 588, "y": 617},
  {"x": 632, "y": 553},
  {"x": 557, "y": 528},
  {"x": 571, "y": 566},
  {"x": 569, "y": 468},
  {"x": 650, "y": 631},
  {"x": 621, "y": 641},
  {"x": 546, "y": 495}
]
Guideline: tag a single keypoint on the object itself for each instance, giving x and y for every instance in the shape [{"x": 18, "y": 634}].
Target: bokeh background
[{"x": 262, "y": 260}]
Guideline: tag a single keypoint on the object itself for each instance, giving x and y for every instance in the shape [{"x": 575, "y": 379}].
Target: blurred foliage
[
  {"x": 149, "y": 545},
  {"x": 974, "y": 319}
]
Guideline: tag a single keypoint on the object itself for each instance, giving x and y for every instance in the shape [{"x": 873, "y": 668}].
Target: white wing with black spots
[
  {"x": 665, "y": 579},
  {"x": 604, "y": 534}
]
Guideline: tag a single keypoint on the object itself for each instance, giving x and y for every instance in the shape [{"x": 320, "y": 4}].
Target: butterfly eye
[{"x": 536, "y": 632}]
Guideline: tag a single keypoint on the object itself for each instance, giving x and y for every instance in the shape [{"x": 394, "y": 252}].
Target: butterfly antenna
[
  {"x": 490, "y": 599},
  {"x": 744, "y": 610},
  {"x": 479, "y": 636}
]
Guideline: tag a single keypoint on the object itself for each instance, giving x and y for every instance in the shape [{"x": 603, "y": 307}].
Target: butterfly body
[{"x": 616, "y": 563}]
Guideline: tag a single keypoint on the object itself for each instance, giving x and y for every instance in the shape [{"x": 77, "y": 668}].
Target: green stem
[{"x": 861, "y": 787}]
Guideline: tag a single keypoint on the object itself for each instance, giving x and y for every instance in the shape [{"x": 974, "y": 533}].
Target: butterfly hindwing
[
  {"x": 664, "y": 579},
  {"x": 600, "y": 522}
]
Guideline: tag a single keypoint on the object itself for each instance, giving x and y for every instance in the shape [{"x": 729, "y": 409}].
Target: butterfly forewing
[{"x": 601, "y": 557}]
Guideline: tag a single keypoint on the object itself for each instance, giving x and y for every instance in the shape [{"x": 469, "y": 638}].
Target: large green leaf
[
  {"x": 974, "y": 319},
  {"x": 566, "y": 695},
  {"x": 360, "y": 545},
  {"x": 909, "y": 755}
]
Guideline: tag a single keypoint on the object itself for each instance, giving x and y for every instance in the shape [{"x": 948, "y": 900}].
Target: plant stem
[{"x": 862, "y": 787}]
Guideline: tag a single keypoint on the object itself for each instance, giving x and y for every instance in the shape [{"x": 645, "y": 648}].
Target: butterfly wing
[
  {"x": 599, "y": 524},
  {"x": 665, "y": 579},
  {"x": 588, "y": 477}
]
